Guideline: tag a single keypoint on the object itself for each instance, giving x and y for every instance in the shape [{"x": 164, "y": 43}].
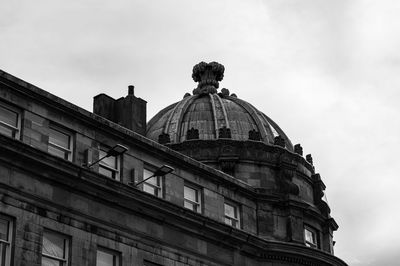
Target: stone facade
[{"x": 47, "y": 191}]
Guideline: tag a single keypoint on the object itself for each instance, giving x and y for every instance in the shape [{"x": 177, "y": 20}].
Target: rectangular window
[
  {"x": 232, "y": 215},
  {"x": 192, "y": 198},
  {"x": 310, "y": 237},
  {"x": 55, "y": 249},
  {"x": 10, "y": 121},
  {"x": 153, "y": 185},
  {"x": 109, "y": 166},
  {"x": 107, "y": 257},
  {"x": 6, "y": 226},
  {"x": 60, "y": 143}
]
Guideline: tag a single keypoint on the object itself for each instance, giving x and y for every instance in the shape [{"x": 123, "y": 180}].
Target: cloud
[{"x": 325, "y": 71}]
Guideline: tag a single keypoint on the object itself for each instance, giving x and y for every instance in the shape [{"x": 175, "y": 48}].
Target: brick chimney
[{"x": 129, "y": 111}]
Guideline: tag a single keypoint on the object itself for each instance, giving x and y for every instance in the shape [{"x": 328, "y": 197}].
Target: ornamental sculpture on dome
[{"x": 208, "y": 75}]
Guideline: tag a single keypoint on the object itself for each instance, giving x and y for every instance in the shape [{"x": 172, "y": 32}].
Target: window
[
  {"x": 192, "y": 198},
  {"x": 55, "y": 249},
  {"x": 6, "y": 226},
  {"x": 152, "y": 185},
  {"x": 107, "y": 257},
  {"x": 310, "y": 237},
  {"x": 10, "y": 121},
  {"x": 60, "y": 143},
  {"x": 232, "y": 215},
  {"x": 109, "y": 166}
]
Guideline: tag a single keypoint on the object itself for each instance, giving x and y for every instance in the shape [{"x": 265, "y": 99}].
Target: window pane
[
  {"x": 149, "y": 189},
  {"x": 153, "y": 181},
  {"x": 228, "y": 221},
  {"x": 59, "y": 138},
  {"x": 7, "y": 131},
  {"x": 310, "y": 236},
  {"x": 147, "y": 173},
  {"x": 106, "y": 172},
  {"x": 108, "y": 161},
  {"x": 190, "y": 194},
  {"x": 152, "y": 185},
  {"x": 102, "y": 154},
  {"x": 9, "y": 117},
  {"x": 230, "y": 211},
  {"x": 3, "y": 250},
  {"x": 50, "y": 262},
  {"x": 57, "y": 152},
  {"x": 53, "y": 245},
  {"x": 190, "y": 206},
  {"x": 104, "y": 259},
  {"x": 4, "y": 229}
]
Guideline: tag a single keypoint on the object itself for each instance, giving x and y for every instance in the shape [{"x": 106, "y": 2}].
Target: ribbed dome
[{"x": 208, "y": 115}]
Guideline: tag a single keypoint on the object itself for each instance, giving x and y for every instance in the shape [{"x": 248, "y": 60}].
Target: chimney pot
[{"x": 131, "y": 90}]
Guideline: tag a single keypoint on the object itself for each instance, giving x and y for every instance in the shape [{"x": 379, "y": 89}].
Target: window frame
[
  {"x": 7, "y": 252},
  {"x": 237, "y": 210},
  {"x": 67, "y": 241},
  {"x": 159, "y": 188},
  {"x": 16, "y": 131},
  {"x": 67, "y": 152},
  {"x": 314, "y": 234},
  {"x": 116, "y": 255},
  {"x": 198, "y": 205},
  {"x": 116, "y": 172}
]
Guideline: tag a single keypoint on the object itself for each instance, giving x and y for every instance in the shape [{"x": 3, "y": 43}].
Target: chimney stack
[{"x": 129, "y": 111}]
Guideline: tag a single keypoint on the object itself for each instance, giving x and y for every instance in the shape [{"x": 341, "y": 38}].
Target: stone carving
[
  {"x": 227, "y": 150},
  {"x": 164, "y": 138},
  {"x": 254, "y": 135},
  {"x": 309, "y": 159},
  {"x": 224, "y": 92},
  {"x": 227, "y": 159},
  {"x": 228, "y": 166},
  {"x": 208, "y": 75},
  {"x": 187, "y": 94},
  {"x": 224, "y": 133},
  {"x": 298, "y": 149},
  {"x": 192, "y": 134},
  {"x": 319, "y": 187},
  {"x": 279, "y": 141}
]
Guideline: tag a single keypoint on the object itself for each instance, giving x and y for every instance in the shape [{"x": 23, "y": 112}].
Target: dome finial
[{"x": 208, "y": 75}]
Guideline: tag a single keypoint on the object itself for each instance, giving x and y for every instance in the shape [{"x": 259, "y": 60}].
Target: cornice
[
  {"x": 282, "y": 154},
  {"x": 113, "y": 129},
  {"x": 44, "y": 160}
]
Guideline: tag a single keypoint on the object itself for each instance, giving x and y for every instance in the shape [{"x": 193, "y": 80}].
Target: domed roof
[{"x": 209, "y": 115}]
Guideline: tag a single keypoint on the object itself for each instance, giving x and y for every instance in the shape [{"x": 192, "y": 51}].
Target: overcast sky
[{"x": 327, "y": 71}]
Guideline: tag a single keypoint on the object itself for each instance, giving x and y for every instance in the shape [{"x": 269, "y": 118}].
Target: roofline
[{"x": 54, "y": 101}]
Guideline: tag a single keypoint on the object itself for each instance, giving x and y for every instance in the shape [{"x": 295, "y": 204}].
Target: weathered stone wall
[{"x": 40, "y": 191}]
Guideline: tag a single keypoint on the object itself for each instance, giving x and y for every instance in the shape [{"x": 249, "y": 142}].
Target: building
[{"x": 80, "y": 188}]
